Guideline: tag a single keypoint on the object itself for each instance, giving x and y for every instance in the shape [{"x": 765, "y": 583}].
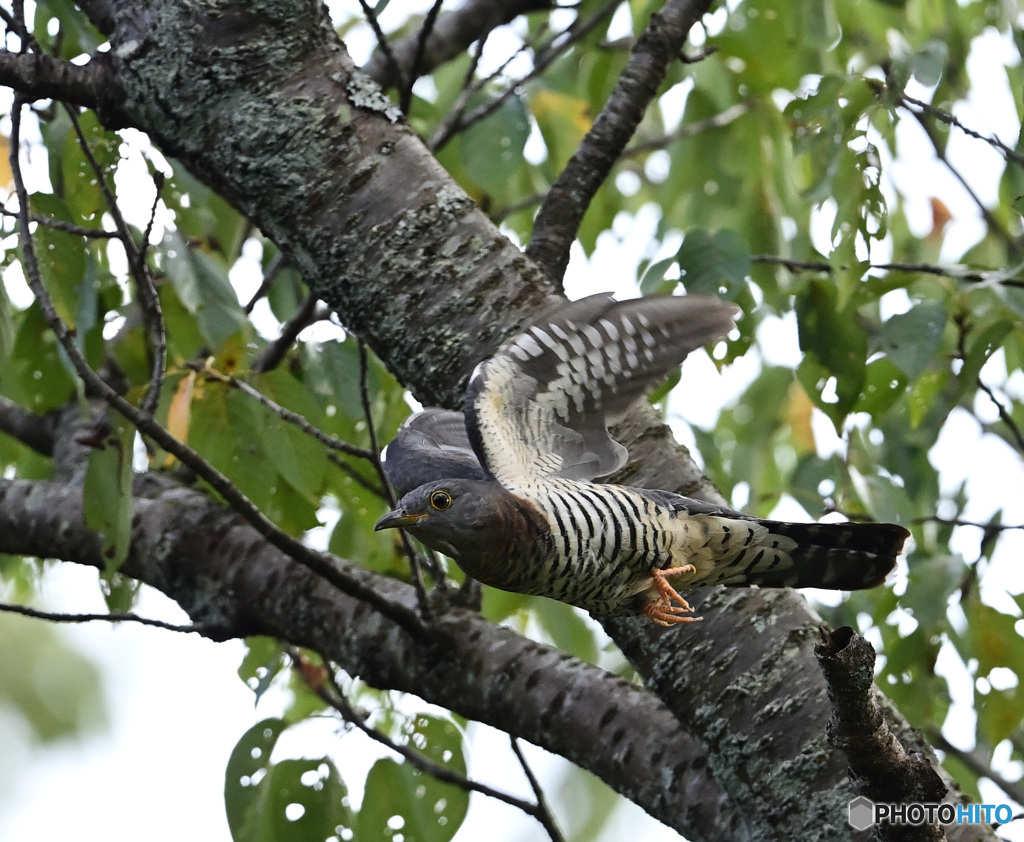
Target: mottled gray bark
[
  {"x": 261, "y": 102},
  {"x": 233, "y": 583}
]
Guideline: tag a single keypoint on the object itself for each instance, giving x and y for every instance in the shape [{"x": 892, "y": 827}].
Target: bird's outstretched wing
[
  {"x": 431, "y": 445},
  {"x": 540, "y": 407}
]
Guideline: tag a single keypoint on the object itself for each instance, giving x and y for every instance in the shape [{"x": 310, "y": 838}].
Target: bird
[{"x": 509, "y": 487}]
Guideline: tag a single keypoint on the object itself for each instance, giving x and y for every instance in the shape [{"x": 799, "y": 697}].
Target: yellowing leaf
[
  {"x": 179, "y": 415},
  {"x": 6, "y": 176},
  {"x": 570, "y": 110},
  {"x": 563, "y": 121},
  {"x": 798, "y": 416}
]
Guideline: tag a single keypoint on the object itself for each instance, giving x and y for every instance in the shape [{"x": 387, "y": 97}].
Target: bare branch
[
  {"x": 58, "y": 617},
  {"x": 543, "y": 814},
  {"x": 382, "y": 41},
  {"x": 544, "y": 55},
  {"x": 415, "y": 69},
  {"x": 1004, "y": 415},
  {"x": 880, "y": 766},
  {"x": 995, "y": 527},
  {"x": 944, "y": 116},
  {"x": 450, "y": 37},
  {"x": 149, "y": 301},
  {"x": 689, "y": 130},
  {"x": 371, "y": 426},
  {"x": 284, "y": 414},
  {"x": 39, "y": 76},
  {"x": 35, "y": 431},
  {"x": 66, "y": 227},
  {"x": 1014, "y": 789},
  {"x": 560, "y": 216},
  {"x": 991, "y": 221},
  {"x": 957, "y": 273},
  {"x": 272, "y": 356},
  {"x": 323, "y": 683}
]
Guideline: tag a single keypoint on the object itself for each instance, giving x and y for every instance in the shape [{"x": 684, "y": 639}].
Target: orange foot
[{"x": 661, "y": 610}]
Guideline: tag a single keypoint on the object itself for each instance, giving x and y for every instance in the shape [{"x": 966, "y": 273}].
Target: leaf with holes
[
  {"x": 400, "y": 797},
  {"x": 287, "y": 801}
]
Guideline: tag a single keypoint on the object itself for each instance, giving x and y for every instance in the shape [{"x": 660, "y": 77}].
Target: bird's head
[{"x": 455, "y": 516}]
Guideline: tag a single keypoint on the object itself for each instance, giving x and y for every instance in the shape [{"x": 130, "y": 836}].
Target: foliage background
[{"x": 787, "y": 169}]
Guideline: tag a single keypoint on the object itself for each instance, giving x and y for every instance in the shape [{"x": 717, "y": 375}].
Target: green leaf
[
  {"x": 566, "y": 628},
  {"x": 263, "y": 661},
  {"x": 929, "y": 62},
  {"x": 492, "y": 149},
  {"x": 203, "y": 287},
  {"x": 832, "y": 334},
  {"x": 563, "y": 121},
  {"x": 289, "y": 801},
  {"x": 107, "y": 493},
  {"x": 713, "y": 262},
  {"x": 931, "y": 582},
  {"x": 399, "y": 797},
  {"x": 61, "y": 257},
  {"x": 911, "y": 339},
  {"x": 52, "y": 691}
]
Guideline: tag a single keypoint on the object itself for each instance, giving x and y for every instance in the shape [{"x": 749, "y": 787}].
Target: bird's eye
[{"x": 440, "y": 500}]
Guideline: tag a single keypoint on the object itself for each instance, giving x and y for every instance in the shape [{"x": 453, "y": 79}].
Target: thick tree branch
[
  {"x": 35, "y": 431},
  {"x": 232, "y": 583},
  {"x": 559, "y": 217},
  {"x": 39, "y": 76},
  {"x": 882, "y": 767}
]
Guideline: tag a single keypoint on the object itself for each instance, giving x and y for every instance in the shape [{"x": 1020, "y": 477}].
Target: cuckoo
[{"x": 507, "y": 487}]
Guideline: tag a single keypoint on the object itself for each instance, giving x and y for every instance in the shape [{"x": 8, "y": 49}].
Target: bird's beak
[{"x": 398, "y": 519}]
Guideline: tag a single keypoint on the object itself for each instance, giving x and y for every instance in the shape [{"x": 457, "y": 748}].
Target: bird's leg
[{"x": 662, "y": 611}]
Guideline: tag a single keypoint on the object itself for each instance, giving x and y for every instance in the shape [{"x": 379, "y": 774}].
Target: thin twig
[
  {"x": 544, "y": 56},
  {"x": 272, "y": 356},
  {"x": 277, "y": 263},
  {"x": 945, "y": 521},
  {"x": 405, "y": 98},
  {"x": 990, "y": 219},
  {"x": 982, "y": 769},
  {"x": 57, "y": 617},
  {"x": 356, "y": 477},
  {"x": 724, "y": 118},
  {"x": 452, "y": 122},
  {"x": 208, "y": 371},
  {"x": 382, "y": 39},
  {"x": 329, "y": 691},
  {"x": 66, "y": 227},
  {"x": 411, "y": 554},
  {"x": 944, "y": 116},
  {"x": 956, "y": 273},
  {"x": 544, "y": 815},
  {"x": 1004, "y": 415},
  {"x": 319, "y": 563},
  {"x": 149, "y": 301}
]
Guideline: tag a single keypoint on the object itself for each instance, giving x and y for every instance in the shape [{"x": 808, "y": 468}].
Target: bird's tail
[{"x": 836, "y": 556}]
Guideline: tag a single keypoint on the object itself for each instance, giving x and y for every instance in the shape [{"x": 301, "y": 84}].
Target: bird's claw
[{"x": 662, "y": 611}]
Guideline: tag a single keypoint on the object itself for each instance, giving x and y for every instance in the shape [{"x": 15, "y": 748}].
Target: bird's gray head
[{"x": 455, "y": 516}]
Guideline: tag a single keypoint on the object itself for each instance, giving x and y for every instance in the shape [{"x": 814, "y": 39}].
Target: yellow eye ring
[{"x": 440, "y": 500}]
